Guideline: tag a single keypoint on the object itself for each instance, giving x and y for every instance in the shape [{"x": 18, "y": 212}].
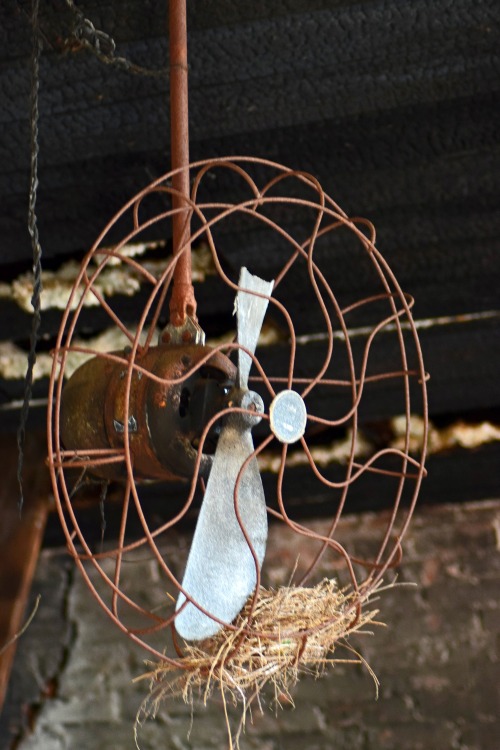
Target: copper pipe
[{"x": 182, "y": 302}]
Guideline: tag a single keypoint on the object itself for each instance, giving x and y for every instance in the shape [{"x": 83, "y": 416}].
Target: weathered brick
[{"x": 437, "y": 661}]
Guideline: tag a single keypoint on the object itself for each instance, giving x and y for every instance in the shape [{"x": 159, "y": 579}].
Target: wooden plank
[
  {"x": 392, "y": 107},
  {"x": 20, "y": 540},
  {"x": 457, "y": 475},
  {"x": 462, "y": 356},
  {"x": 472, "y": 290}
]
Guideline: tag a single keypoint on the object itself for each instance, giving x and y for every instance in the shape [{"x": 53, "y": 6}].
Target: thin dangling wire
[
  {"x": 85, "y": 35},
  {"x": 35, "y": 244}
]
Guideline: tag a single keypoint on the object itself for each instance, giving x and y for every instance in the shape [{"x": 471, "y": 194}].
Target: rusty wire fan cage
[{"x": 294, "y": 228}]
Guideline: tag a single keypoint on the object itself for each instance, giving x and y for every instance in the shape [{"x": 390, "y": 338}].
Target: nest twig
[{"x": 291, "y": 631}]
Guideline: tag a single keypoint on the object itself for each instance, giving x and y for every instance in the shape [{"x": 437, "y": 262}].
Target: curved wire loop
[{"x": 336, "y": 368}]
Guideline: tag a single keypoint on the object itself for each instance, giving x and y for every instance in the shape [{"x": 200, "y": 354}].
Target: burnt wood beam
[
  {"x": 394, "y": 107},
  {"x": 21, "y": 536},
  {"x": 462, "y": 357}
]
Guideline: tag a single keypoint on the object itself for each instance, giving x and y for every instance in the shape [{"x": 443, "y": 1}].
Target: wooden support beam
[{"x": 20, "y": 540}]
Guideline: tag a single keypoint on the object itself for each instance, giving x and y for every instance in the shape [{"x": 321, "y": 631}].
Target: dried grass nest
[{"x": 292, "y": 631}]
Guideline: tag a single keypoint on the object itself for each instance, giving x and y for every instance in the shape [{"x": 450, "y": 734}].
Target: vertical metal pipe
[{"x": 182, "y": 302}]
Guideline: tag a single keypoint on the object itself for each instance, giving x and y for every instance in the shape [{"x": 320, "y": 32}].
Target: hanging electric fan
[{"x": 170, "y": 407}]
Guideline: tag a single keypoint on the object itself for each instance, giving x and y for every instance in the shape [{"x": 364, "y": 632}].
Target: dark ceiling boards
[{"x": 394, "y": 106}]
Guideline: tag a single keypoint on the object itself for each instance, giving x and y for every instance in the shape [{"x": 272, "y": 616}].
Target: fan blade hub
[{"x": 252, "y": 402}]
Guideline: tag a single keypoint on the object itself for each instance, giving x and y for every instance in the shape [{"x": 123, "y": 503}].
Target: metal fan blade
[
  {"x": 221, "y": 571},
  {"x": 250, "y": 311}
]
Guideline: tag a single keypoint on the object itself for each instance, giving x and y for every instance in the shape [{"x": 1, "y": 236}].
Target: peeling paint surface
[
  {"x": 457, "y": 435},
  {"x": 116, "y": 278},
  {"x": 337, "y": 451},
  {"x": 460, "y": 434},
  {"x": 13, "y": 358}
]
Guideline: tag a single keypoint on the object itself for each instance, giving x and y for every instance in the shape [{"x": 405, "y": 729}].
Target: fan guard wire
[{"x": 328, "y": 217}]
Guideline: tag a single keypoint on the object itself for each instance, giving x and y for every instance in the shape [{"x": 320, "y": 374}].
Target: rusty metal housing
[{"x": 162, "y": 401}]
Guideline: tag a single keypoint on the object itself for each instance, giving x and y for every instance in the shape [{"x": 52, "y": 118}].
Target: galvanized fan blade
[
  {"x": 221, "y": 571},
  {"x": 250, "y": 311}
]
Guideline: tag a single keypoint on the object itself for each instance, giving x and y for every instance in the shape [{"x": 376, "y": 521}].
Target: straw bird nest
[{"x": 289, "y": 632}]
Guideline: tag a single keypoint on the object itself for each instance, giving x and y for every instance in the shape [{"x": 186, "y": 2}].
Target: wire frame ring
[{"x": 308, "y": 228}]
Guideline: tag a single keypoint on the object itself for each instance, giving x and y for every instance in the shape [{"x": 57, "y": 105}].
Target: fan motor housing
[{"x": 162, "y": 400}]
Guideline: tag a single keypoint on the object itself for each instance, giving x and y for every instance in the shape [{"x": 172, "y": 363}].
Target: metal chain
[
  {"x": 35, "y": 244},
  {"x": 103, "y": 46}
]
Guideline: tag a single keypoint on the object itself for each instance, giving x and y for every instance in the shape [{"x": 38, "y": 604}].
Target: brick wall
[{"x": 437, "y": 660}]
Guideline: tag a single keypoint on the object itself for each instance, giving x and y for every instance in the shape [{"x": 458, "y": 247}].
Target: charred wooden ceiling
[{"x": 393, "y": 106}]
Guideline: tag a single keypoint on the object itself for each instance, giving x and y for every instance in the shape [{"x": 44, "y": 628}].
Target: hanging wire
[
  {"x": 103, "y": 46},
  {"x": 36, "y": 247}
]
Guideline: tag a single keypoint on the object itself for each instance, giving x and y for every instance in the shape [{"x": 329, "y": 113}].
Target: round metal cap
[{"x": 288, "y": 416}]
